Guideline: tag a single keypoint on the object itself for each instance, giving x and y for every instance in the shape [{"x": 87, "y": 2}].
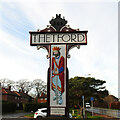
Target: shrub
[
  {"x": 8, "y": 107},
  {"x": 20, "y": 107},
  {"x": 28, "y": 107}
]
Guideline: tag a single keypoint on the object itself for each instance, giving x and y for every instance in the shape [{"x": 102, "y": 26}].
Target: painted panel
[{"x": 58, "y": 76}]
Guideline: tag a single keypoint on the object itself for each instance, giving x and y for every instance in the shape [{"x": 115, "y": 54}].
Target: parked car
[
  {"x": 87, "y": 105},
  {"x": 43, "y": 113}
]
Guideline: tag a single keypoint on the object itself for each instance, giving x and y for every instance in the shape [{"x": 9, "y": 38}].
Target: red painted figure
[{"x": 57, "y": 75}]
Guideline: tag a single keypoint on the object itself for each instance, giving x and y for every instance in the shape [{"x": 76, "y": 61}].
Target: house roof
[
  {"x": 22, "y": 94},
  {"x": 6, "y": 91},
  {"x": 110, "y": 98},
  {"x": 43, "y": 95},
  {"x": 16, "y": 93}
]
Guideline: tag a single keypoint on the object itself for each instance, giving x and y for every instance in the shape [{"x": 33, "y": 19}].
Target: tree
[
  {"x": 87, "y": 87},
  {"x": 39, "y": 86},
  {"x": 5, "y": 83},
  {"x": 24, "y": 85}
]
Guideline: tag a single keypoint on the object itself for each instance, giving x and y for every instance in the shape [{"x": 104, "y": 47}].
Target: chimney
[
  {"x": 20, "y": 90},
  {"x": 9, "y": 88}
]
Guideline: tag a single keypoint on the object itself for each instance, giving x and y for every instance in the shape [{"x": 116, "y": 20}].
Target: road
[
  {"x": 13, "y": 115},
  {"x": 109, "y": 112}
]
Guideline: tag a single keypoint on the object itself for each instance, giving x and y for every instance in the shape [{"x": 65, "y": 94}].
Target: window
[{"x": 44, "y": 111}]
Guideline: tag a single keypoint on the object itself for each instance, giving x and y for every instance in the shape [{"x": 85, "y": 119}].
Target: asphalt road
[
  {"x": 13, "y": 115},
  {"x": 16, "y": 119}
]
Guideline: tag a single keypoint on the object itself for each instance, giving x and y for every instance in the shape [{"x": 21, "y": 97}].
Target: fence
[{"x": 108, "y": 112}]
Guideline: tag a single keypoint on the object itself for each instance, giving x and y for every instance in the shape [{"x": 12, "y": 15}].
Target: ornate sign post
[{"x": 58, "y": 38}]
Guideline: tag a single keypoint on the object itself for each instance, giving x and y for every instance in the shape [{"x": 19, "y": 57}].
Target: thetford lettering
[{"x": 58, "y": 38}]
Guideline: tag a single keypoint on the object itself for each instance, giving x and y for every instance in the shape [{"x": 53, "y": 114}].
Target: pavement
[
  {"x": 14, "y": 115},
  {"x": 106, "y": 117}
]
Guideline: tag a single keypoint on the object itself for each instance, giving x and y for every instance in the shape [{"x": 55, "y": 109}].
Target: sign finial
[{"x": 58, "y": 22}]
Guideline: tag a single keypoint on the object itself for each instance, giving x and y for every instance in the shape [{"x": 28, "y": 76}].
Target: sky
[{"x": 99, "y": 58}]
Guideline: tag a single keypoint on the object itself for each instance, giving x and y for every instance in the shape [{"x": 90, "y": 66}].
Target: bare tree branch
[{"x": 40, "y": 87}]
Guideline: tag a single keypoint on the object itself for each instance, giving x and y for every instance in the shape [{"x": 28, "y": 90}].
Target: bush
[
  {"x": 20, "y": 107},
  {"x": 28, "y": 107},
  {"x": 8, "y": 107}
]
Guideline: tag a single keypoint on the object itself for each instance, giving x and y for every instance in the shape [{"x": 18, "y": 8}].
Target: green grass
[
  {"x": 88, "y": 115},
  {"x": 29, "y": 115},
  {"x": 97, "y": 117},
  {"x": 19, "y": 111}
]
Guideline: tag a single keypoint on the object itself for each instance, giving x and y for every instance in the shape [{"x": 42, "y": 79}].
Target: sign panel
[
  {"x": 58, "y": 38},
  {"x": 57, "y": 111},
  {"x": 58, "y": 76},
  {"x": 82, "y": 97},
  {"x": 92, "y": 98},
  {"x": 38, "y": 38}
]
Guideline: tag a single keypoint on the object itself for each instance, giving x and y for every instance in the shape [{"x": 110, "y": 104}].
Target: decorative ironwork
[{"x": 58, "y": 22}]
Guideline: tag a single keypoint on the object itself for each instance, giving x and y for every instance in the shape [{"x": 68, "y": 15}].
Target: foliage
[
  {"x": 20, "y": 106},
  {"x": 87, "y": 87},
  {"x": 8, "y": 107},
  {"x": 28, "y": 107},
  {"x": 88, "y": 115},
  {"x": 30, "y": 115}
]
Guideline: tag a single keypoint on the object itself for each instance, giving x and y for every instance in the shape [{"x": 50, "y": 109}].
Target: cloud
[
  {"x": 99, "y": 58},
  {"x": 19, "y": 60}
]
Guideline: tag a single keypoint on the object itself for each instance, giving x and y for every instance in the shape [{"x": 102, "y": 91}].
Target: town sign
[{"x": 58, "y": 38}]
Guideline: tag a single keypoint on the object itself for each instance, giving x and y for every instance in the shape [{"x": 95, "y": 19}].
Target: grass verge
[{"x": 31, "y": 115}]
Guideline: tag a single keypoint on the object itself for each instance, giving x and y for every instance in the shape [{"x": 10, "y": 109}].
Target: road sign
[
  {"x": 82, "y": 97},
  {"x": 92, "y": 98},
  {"x": 92, "y": 104}
]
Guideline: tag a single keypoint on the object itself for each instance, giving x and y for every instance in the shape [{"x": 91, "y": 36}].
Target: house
[
  {"x": 105, "y": 102},
  {"x": 13, "y": 96},
  {"x": 110, "y": 99},
  {"x": 42, "y": 98},
  {"x": 24, "y": 97},
  {"x": 8, "y": 95}
]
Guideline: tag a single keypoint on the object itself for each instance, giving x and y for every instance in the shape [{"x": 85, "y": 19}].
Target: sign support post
[
  {"x": 92, "y": 104},
  {"x": 83, "y": 107},
  {"x": 58, "y": 39}
]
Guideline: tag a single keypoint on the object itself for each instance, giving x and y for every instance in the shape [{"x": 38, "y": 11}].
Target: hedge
[
  {"x": 8, "y": 107},
  {"x": 28, "y": 107}
]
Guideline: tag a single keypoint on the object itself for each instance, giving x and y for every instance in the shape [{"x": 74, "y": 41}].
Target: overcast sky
[{"x": 99, "y": 58}]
